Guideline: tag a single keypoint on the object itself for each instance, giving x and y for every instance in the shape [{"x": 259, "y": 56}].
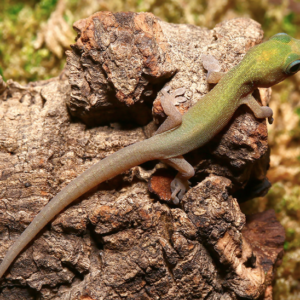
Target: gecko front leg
[
  {"x": 180, "y": 183},
  {"x": 260, "y": 112},
  {"x": 168, "y": 101},
  {"x": 213, "y": 68},
  {"x": 214, "y": 76}
]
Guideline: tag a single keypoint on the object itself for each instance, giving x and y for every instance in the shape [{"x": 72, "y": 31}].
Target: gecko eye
[
  {"x": 293, "y": 68},
  {"x": 280, "y": 33}
]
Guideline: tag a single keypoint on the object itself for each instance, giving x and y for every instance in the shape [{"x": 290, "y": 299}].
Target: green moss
[
  {"x": 1, "y": 73},
  {"x": 13, "y": 10},
  {"x": 44, "y": 8},
  {"x": 66, "y": 18},
  {"x": 286, "y": 245},
  {"x": 288, "y": 24},
  {"x": 19, "y": 25},
  {"x": 292, "y": 202},
  {"x": 276, "y": 198}
]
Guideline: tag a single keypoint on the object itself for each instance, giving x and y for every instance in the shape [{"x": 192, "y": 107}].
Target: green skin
[{"x": 263, "y": 66}]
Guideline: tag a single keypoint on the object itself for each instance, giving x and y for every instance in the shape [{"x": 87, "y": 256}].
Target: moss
[
  {"x": 19, "y": 59},
  {"x": 13, "y": 11},
  {"x": 276, "y": 198},
  {"x": 1, "y": 73},
  {"x": 44, "y": 8},
  {"x": 288, "y": 25}
]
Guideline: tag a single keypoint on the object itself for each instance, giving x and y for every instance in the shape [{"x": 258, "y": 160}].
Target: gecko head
[
  {"x": 275, "y": 60},
  {"x": 291, "y": 63}
]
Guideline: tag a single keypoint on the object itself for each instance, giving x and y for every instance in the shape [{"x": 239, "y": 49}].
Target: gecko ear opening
[{"x": 293, "y": 67}]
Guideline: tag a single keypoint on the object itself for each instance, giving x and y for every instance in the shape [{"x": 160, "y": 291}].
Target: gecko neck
[{"x": 236, "y": 84}]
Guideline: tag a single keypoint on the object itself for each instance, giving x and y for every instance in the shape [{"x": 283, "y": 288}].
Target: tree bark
[{"x": 125, "y": 239}]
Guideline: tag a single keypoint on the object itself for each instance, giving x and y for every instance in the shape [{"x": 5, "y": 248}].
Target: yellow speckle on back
[{"x": 268, "y": 54}]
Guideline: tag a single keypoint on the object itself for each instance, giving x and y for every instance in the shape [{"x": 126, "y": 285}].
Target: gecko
[{"x": 262, "y": 66}]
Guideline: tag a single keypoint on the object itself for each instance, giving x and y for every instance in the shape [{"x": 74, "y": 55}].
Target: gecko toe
[
  {"x": 270, "y": 120},
  {"x": 179, "y": 187}
]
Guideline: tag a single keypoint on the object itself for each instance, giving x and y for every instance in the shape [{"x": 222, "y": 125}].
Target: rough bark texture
[{"x": 119, "y": 241}]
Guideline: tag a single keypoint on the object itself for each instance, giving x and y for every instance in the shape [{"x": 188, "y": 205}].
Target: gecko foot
[
  {"x": 175, "y": 97},
  {"x": 179, "y": 186},
  {"x": 268, "y": 113},
  {"x": 270, "y": 120},
  {"x": 213, "y": 68}
]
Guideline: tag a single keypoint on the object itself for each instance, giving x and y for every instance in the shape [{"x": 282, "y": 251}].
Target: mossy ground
[{"x": 35, "y": 33}]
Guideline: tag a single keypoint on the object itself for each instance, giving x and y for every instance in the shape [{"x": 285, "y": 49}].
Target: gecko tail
[{"x": 105, "y": 169}]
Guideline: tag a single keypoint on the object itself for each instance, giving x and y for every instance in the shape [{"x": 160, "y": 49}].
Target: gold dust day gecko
[{"x": 263, "y": 66}]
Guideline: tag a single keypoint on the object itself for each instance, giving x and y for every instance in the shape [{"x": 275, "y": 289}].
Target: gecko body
[{"x": 263, "y": 66}]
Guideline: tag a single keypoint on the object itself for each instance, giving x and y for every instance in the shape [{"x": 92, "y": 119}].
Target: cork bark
[{"x": 125, "y": 239}]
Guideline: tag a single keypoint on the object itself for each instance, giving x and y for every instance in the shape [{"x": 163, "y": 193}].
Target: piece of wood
[{"x": 119, "y": 241}]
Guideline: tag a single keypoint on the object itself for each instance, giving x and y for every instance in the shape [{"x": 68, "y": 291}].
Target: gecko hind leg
[
  {"x": 168, "y": 101},
  {"x": 260, "y": 112},
  {"x": 180, "y": 183},
  {"x": 213, "y": 68}
]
